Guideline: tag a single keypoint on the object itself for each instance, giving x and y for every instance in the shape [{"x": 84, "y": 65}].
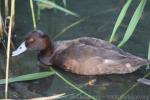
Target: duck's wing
[
  {"x": 91, "y": 56},
  {"x": 107, "y": 50},
  {"x": 99, "y": 43},
  {"x": 87, "y": 41}
]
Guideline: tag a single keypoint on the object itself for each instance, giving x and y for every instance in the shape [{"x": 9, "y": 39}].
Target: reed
[
  {"x": 8, "y": 47},
  {"x": 39, "y": 75},
  {"x": 130, "y": 29},
  {"x": 132, "y": 24},
  {"x": 69, "y": 27},
  {"x": 120, "y": 19},
  {"x": 2, "y": 33},
  {"x": 1, "y": 26},
  {"x": 33, "y": 15},
  {"x": 6, "y": 8},
  {"x": 134, "y": 20},
  {"x": 50, "y": 4},
  {"x": 148, "y": 66},
  {"x": 72, "y": 85},
  {"x": 52, "y": 70},
  {"x": 4, "y": 24}
]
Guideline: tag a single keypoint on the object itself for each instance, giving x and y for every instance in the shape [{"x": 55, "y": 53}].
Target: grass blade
[
  {"x": 134, "y": 20},
  {"x": 69, "y": 27},
  {"x": 28, "y": 77},
  {"x": 33, "y": 15},
  {"x": 51, "y": 4},
  {"x": 120, "y": 18},
  {"x": 72, "y": 85},
  {"x": 148, "y": 67}
]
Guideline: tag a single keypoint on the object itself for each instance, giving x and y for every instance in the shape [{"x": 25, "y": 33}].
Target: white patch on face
[
  {"x": 108, "y": 61},
  {"x": 22, "y": 48}
]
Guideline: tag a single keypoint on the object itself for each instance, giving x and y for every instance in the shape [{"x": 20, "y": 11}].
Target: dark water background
[{"x": 102, "y": 16}]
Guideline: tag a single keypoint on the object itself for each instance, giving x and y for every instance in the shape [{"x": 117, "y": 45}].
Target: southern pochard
[{"x": 84, "y": 55}]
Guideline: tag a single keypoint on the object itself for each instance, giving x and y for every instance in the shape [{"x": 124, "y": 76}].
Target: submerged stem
[{"x": 72, "y": 85}]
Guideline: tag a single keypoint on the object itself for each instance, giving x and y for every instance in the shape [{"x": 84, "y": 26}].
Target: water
[{"x": 102, "y": 15}]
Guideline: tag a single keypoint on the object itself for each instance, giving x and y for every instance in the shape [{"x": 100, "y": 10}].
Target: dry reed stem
[
  {"x": 1, "y": 25},
  {"x": 6, "y": 8},
  {"x": 8, "y": 47}
]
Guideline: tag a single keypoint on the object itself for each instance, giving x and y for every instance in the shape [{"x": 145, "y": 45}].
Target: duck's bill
[{"x": 22, "y": 48}]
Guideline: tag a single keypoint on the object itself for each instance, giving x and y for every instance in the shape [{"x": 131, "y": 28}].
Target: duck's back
[{"x": 91, "y": 56}]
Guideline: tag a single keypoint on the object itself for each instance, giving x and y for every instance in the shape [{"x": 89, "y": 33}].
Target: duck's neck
[{"x": 45, "y": 56}]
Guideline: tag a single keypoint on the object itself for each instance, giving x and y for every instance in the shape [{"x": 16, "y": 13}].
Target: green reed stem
[
  {"x": 120, "y": 19},
  {"x": 133, "y": 22},
  {"x": 72, "y": 85},
  {"x": 69, "y": 27},
  {"x": 148, "y": 66},
  {"x": 33, "y": 15}
]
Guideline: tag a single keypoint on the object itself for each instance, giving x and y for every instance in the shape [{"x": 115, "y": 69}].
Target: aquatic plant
[
  {"x": 1, "y": 26},
  {"x": 148, "y": 66},
  {"x": 44, "y": 4},
  {"x": 133, "y": 22},
  {"x": 120, "y": 19},
  {"x": 40, "y": 74},
  {"x": 50, "y": 4},
  {"x": 130, "y": 29},
  {"x": 28, "y": 77},
  {"x": 8, "y": 47}
]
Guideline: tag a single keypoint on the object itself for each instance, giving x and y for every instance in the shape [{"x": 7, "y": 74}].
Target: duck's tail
[{"x": 144, "y": 61}]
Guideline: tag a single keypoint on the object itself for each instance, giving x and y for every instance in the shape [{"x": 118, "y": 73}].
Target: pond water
[{"x": 101, "y": 15}]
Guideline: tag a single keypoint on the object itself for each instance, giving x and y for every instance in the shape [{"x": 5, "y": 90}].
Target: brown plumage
[{"x": 84, "y": 55}]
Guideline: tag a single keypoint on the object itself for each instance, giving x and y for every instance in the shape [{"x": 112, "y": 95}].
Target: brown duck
[{"x": 84, "y": 55}]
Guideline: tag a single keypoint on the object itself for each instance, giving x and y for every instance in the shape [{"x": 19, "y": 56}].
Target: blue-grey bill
[{"x": 22, "y": 48}]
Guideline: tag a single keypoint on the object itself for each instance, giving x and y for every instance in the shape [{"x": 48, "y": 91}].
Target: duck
[{"x": 82, "y": 56}]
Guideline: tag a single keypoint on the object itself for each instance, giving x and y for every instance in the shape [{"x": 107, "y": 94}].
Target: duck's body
[{"x": 87, "y": 56}]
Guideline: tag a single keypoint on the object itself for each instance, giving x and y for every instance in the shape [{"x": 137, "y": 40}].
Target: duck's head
[{"x": 35, "y": 40}]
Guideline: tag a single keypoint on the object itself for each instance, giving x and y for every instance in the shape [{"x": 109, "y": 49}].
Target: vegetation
[{"x": 50, "y": 4}]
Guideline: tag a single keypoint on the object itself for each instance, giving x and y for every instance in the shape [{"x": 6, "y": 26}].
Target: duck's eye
[{"x": 30, "y": 40}]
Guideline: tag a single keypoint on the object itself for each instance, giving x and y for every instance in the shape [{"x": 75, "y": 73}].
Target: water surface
[{"x": 102, "y": 16}]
